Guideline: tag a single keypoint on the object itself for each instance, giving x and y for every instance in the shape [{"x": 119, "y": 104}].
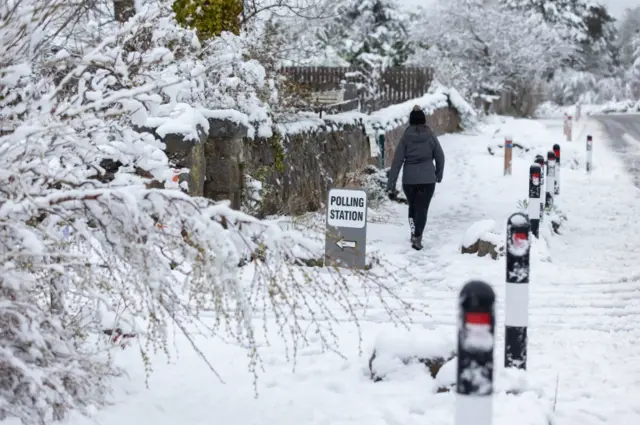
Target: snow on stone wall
[{"x": 301, "y": 158}]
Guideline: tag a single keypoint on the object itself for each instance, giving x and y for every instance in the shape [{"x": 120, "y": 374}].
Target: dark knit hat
[{"x": 417, "y": 116}]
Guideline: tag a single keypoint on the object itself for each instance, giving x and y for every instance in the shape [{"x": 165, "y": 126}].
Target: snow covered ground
[{"x": 585, "y": 306}]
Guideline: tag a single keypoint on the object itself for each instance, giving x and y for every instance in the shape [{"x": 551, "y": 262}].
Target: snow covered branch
[
  {"x": 480, "y": 47},
  {"x": 83, "y": 250}
]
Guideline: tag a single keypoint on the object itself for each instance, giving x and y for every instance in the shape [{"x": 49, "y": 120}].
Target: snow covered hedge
[{"x": 84, "y": 248}]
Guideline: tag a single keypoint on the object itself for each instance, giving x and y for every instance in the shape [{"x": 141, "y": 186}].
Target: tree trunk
[
  {"x": 124, "y": 10},
  {"x": 56, "y": 293}
]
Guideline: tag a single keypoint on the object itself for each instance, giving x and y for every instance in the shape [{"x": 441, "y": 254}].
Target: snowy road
[
  {"x": 584, "y": 312},
  {"x": 624, "y": 134}
]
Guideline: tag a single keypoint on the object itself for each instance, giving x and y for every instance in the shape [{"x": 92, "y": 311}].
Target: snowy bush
[
  {"x": 566, "y": 51},
  {"x": 371, "y": 36},
  {"x": 372, "y": 27},
  {"x": 629, "y": 37},
  {"x": 403, "y": 354},
  {"x": 479, "y": 47},
  {"x": 208, "y": 18},
  {"x": 553, "y": 214},
  {"x": 602, "y": 68},
  {"x": 633, "y": 76},
  {"x": 482, "y": 239},
  {"x": 131, "y": 257},
  {"x": 569, "y": 87},
  {"x": 374, "y": 181},
  {"x": 585, "y": 26}
]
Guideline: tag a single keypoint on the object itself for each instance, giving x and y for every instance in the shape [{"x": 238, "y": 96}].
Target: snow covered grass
[{"x": 585, "y": 301}]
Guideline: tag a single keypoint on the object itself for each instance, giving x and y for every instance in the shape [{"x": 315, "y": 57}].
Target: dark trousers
[{"x": 419, "y": 198}]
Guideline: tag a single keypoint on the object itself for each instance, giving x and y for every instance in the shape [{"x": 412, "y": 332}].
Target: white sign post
[{"x": 346, "y": 234}]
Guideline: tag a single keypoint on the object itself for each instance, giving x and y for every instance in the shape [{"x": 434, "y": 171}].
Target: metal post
[
  {"x": 517, "y": 291},
  {"x": 476, "y": 323},
  {"x": 556, "y": 151},
  {"x": 569, "y": 127},
  {"x": 508, "y": 155},
  {"x": 533, "y": 206},
  {"x": 540, "y": 161},
  {"x": 381, "y": 147},
  {"x": 551, "y": 169},
  {"x": 589, "y": 153}
]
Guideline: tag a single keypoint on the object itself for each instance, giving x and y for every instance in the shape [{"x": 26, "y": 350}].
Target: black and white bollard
[
  {"x": 551, "y": 170},
  {"x": 534, "y": 206},
  {"x": 556, "y": 151},
  {"x": 589, "y": 153},
  {"x": 517, "y": 292},
  {"x": 540, "y": 161},
  {"x": 476, "y": 326}
]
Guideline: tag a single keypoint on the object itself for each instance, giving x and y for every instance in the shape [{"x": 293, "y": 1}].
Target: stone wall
[
  {"x": 224, "y": 157},
  {"x": 214, "y": 160},
  {"x": 297, "y": 170},
  {"x": 188, "y": 154}
]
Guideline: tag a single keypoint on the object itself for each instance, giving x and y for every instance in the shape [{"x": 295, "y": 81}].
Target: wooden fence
[{"x": 397, "y": 85}]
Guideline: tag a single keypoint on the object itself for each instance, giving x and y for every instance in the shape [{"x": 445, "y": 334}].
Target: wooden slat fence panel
[{"x": 397, "y": 84}]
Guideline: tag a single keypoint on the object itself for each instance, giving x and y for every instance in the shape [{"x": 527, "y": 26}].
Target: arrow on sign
[{"x": 342, "y": 244}]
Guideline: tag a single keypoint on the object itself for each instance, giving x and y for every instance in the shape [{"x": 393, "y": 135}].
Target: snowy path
[
  {"x": 583, "y": 326},
  {"x": 585, "y": 304},
  {"x": 599, "y": 343}
]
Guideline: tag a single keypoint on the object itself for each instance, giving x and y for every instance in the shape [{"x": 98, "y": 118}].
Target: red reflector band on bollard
[
  {"x": 520, "y": 239},
  {"x": 477, "y": 319},
  {"x": 536, "y": 178}
]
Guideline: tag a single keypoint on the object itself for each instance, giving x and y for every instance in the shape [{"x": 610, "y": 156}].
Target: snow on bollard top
[
  {"x": 518, "y": 220},
  {"x": 518, "y": 244}
]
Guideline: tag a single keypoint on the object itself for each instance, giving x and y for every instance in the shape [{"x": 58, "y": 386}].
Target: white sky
[{"x": 617, "y": 7}]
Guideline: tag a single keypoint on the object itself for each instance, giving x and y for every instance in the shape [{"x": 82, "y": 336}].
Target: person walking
[{"x": 417, "y": 150}]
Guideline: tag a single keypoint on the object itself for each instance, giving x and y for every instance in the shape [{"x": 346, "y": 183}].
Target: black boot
[{"x": 416, "y": 243}]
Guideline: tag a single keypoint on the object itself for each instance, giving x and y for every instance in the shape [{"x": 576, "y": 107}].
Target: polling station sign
[{"x": 346, "y": 233}]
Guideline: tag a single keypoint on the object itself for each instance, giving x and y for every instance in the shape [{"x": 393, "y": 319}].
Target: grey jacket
[{"x": 417, "y": 150}]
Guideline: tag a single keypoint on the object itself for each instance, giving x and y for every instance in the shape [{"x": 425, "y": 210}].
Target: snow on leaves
[
  {"x": 85, "y": 248},
  {"x": 481, "y": 47}
]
